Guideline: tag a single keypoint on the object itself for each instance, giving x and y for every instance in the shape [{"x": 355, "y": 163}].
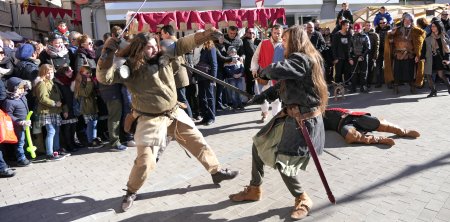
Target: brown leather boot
[
  {"x": 302, "y": 207},
  {"x": 381, "y": 140},
  {"x": 386, "y": 126},
  {"x": 354, "y": 136},
  {"x": 250, "y": 193}
]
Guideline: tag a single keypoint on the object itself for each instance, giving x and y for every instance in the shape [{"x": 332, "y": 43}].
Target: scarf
[
  {"x": 63, "y": 31},
  {"x": 63, "y": 79},
  {"x": 56, "y": 52},
  {"x": 89, "y": 53},
  {"x": 435, "y": 45}
]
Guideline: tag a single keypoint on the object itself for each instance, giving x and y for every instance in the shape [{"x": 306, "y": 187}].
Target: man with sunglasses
[
  {"x": 382, "y": 14},
  {"x": 445, "y": 20}
]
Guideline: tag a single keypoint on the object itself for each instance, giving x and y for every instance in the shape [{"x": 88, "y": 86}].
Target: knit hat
[
  {"x": 231, "y": 49},
  {"x": 13, "y": 83},
  {"x": 357, "y": 26},
  {"x": 25, "y": 51}
]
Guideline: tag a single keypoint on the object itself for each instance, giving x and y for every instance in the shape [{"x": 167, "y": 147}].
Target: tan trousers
[{"x": 188, "y": 137}]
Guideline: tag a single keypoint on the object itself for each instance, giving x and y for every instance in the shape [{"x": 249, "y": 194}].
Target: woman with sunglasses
[
  {"x": 85, "y": 56},
  {"x": 56, "y": 53}
]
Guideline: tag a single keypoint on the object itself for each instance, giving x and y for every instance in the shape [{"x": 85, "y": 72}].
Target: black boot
[
  {"x": 224, "y": 174},
  {"x": 433, "y": 93}
]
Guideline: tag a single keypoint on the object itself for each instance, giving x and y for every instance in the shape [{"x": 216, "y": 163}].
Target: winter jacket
[
  {"x": 86, "y": 95},
  {"x": 427, "y": 53},
  {"x": 17, "y": 109},
  {"x": 67, "y": 98},
  {"x": 8, "y": 64},
  {"x": 234, "y": 70},
  {"x": 55, "y": 62},
  {"x": 27, "y": 69},
  {"x": 359, "y": 45},
  {"x": 382, "y": 33},
  {"x": 347, "y": 14},
  {"x": 48, "y": 94},
  {"x": 374, "y": 44},
  {"x": 209, "y": 57},
  {"x": 236, "y": 43},
  {"x": 81, "y": 59},
  {"x": 318, "y": 41},
  {"x": 379, "y": 16}
]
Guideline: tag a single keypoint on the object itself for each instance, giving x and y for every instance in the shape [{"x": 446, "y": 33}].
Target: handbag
[
  {"x": 203, "y": 67},
  {"x": 7, "y": 134}
]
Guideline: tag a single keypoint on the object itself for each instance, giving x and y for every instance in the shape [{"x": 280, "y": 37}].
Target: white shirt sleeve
[{"x": 254, "y": 64}]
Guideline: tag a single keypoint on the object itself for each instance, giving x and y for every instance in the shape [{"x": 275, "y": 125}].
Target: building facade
[{"x": 99, "y": 16}]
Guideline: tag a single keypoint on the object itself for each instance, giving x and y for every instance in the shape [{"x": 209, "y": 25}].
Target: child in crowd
[
  {"x": 64, "y": 79},
  {"x": 86, "y": 94},
  {"x": 16, "y": 106},
  {"x": 49, "y": 108},
  {"x": 234, "y": 75}
]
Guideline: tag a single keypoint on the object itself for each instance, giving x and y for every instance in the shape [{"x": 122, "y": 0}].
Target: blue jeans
[
  {"x": 20, "y": 133},
  {"x": 207, "y": 101},
  {"x": 236, "y": 97},
  {"x": 181, "y": 93},
  {"x": 52, "y": 139},
  {"x": 91, "y": 130},
  {"x": 3, "y": 164}
]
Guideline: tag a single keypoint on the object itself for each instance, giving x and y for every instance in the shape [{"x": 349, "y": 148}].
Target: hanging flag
[{"x": 259, "y": 3}]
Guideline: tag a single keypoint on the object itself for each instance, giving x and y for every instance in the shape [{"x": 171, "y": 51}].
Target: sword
[
  {"x": 313, "y": 153},
  {"x": 214, "y": 79},
  {"x": 304, "y": 131}
]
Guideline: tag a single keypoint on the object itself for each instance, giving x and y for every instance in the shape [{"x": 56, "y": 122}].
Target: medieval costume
[
  {"x": 353, "y": 126},
  {"x": 267, "y": 52},
  {"x": 402, "y": 51},
  {"x": 156, "y": 111},
  {"x": 279, "y": 144}
]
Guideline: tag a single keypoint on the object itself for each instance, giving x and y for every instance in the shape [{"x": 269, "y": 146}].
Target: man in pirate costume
[
  {"x": 151, "y": 83},
  {"x": 402, "y": 52},
  {"x": 353, "y": 126}
]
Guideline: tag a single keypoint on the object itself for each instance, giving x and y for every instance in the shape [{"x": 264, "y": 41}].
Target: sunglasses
[
  {"x": 2, "y": 52},
  {"x": 444, "y": 14},
  {"x": 89, "y": 43},
  {"x": 382, "y": 23}
]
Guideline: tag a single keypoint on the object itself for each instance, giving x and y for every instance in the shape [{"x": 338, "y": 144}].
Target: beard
[{"x": 154, "y": 59}]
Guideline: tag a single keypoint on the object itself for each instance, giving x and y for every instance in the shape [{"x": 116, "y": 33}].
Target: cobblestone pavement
[{"x": 408, "y": 182}]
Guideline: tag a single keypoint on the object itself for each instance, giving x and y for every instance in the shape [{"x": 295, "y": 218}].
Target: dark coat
[
  {"x": 209, "y": 57},
  {"x": 318, "y": 41},
  {"x": 7, "y": 63},
  {"x": 27, "y": 69},
  {"x": 56, "y": 62},
  {"x": 374, "y": 44},
  {"x": 347, "y": 14},
  {"x": 67, "y": 98},
  {"x": 17, "y": 109}
]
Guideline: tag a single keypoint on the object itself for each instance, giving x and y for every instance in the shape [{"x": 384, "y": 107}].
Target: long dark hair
[
  {"x": 440, "y": 26},
  {"x": 136, "y": 49},
  {"x": 298, "y": 41}
]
